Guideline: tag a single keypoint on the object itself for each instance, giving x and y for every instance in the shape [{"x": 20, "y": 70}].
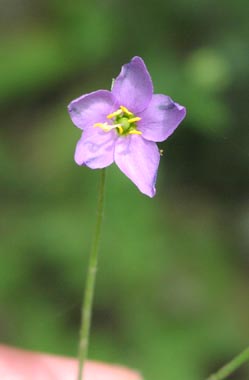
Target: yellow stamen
[
  {"x": 126, "y": 117},
  {"x": 125, "y": 110},
  {"x": 103, "y": 126},
  {"x": 120, "y": 129},
  {"x": 134, "y": 119},
  {"x": 134, "y": 132},
  {"x": 116, "y": 113},
  {"x": 161, "y": 152}
]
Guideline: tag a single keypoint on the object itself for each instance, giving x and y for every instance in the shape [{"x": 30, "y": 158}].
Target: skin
[{"x": 16, "y": 364}]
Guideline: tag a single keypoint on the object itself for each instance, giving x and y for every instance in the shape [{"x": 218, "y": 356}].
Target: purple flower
[{"x": 124, "y": 124}]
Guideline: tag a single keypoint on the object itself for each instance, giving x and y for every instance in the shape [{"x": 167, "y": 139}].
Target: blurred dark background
[{"x": 172, "y": 288}]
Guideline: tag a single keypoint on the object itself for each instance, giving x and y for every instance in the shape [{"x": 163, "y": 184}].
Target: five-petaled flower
[{"x": 124, "y": 124}]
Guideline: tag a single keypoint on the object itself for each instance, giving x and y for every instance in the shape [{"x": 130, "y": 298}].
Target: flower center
[{"x": 124, "y": 121}]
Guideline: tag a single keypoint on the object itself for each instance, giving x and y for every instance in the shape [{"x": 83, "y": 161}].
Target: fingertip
[{"x": 16, "y": 364}]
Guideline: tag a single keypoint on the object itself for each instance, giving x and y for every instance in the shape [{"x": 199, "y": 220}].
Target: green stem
[
  {"x": 86, "y": 312},
  {"x": 229, "y": 368}
]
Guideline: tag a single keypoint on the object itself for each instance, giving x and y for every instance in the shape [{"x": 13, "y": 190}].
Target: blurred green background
[{"x": 172, "y": 288}]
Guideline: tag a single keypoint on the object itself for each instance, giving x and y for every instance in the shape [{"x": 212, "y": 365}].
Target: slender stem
[
  {"x": 229, "y": 368},
  {"x": 86, "y": 312}
]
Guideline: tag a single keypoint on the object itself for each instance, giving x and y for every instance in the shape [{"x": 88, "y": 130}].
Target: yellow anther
[
  {"x": 103, "y": 126},
  {"x": 134, "y": 132},
  {"x": 161, "y": 152},
  {"x": 133, "y": 119},
  {"x": 116, "y": 113},
  {"x": 125, "y": 110},
  {"x": 120, "y": 129}
]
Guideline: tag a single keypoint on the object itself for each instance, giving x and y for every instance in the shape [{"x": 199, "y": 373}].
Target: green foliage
[{"x": 172, "y": 288}]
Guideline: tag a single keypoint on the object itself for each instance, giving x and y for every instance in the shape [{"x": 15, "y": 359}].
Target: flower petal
[
  {"x": 138, "y": 159},
  {"x": 133, "y": 87},
  {"x": 92, "y": 108},
  {"x": 95, "y": 149},
  {"x": 161, "y": 118}
]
